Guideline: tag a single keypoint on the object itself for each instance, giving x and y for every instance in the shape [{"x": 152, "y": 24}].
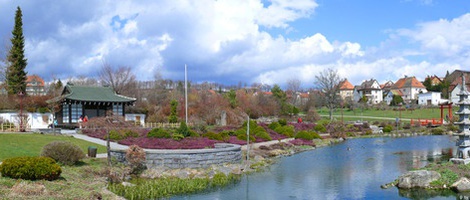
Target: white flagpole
[{"x": 186, "y": 92}]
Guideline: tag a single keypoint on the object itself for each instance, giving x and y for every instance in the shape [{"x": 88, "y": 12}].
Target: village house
[
  {"x": 346, "y": 89},
  {"x": 372, "y": 90},
  {"x": 429, "y": 98},
  {"x": 35, "y": 86},
  {"x": 409, "y": 88},
  {"x": 455, "y": 81}
]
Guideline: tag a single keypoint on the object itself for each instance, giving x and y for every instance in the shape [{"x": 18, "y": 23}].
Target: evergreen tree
[{"x": 16, "y": 75}]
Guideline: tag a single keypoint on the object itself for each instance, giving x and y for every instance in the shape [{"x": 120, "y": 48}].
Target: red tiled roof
[
  {"x": 408, "y": 82},
  {"x": 33, "y": 78},
  {"x": 345, "y": 85}
]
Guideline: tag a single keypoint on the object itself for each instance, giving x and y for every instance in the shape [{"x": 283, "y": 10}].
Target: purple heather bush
[
  {"x": 301, "y": 142},
  {"x": 164, "y": 143},
  {"x": 302, "y": 126}
]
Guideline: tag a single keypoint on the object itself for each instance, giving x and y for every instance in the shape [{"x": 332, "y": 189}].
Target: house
[
  {"x": 35, "y": 86},
  {"x": 409, "y": 88},
  {"x": 372, "y": 90},
  {"x": 388, "y": 96},
  {"x": 346, "y": 89},
  {"x": 429, "y": 98},
  {"x": 454, "y": 98},
  {"x": 434, "y": 80},
  {"x": 386, "y": 87},
  {"x": 89, "y": 101},
  {"x": 455, "y": 80}
]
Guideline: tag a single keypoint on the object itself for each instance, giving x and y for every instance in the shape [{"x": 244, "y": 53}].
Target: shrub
[
  {"x": 406, "y": 126},
  {"x": 228, "y": 132},
  {"x": 30, "y": 168},
  {"x": 263, "y": 134},
  {"x": 320, "y": 128},
  {"x": 63, "y": 152},
  {"x": 307, "y": 135},
  {"x": 183, "y": 129},
  {"x": 242, "y": 136},
  {"x": 158, "y": 133},
  {"x": 304, "y": 135},
  {"x": 135, "y": 156},
  {"x": 437, "y": 131},
  {"x": 387, "y": 129},
  {"x": 116, "y": 135},
  {"x": 130, "y": 133},
  {"x": 214, "y": 136},
  {"x": 282, "y": 122},
  {"x": 286, "y": 130},
  {"x": 177, "y": 136},
  {"x": 274, "y": 125}
]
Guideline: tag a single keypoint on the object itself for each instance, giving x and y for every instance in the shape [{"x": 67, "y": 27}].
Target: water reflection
[{"x": 354, "y": 169}]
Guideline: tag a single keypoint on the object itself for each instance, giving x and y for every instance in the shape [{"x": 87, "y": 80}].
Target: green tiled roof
[{"x": 94, "y": 94}]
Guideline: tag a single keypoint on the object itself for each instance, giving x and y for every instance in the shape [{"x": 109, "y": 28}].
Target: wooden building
[{"x": 90, "y": 101}]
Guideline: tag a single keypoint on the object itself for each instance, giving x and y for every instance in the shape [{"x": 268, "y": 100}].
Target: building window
[
  {"x": 65, "y": 113},
  {"x": 117, "y": 110},
  {"x": 76, "y": 112}
]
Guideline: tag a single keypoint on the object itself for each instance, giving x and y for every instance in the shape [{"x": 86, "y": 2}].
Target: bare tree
[
  {"x": 121, "y": 79},
  {"x": 83, "y": 81},
  {"x": 293, "y": 85},
  {"x": 328, "y": 82}
]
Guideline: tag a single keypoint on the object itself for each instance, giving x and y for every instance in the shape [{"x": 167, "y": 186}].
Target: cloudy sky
[{"x": 248, "y": 41}]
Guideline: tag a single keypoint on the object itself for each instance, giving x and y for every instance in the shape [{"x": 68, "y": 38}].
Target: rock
[
  {"x": 417, "y": 179},
  {"x": 182, "y": 174},
  {"x": 127, "y": 184},
  {"x": 462, "y": 185}
]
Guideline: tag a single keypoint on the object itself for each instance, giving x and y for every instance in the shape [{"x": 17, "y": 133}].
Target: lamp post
[{"x": 21, "y": 94}]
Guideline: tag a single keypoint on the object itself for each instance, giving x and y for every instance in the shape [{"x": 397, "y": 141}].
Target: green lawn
[
  {"x": 423, "y": 113},
  {"x": 14, "y": 145}
]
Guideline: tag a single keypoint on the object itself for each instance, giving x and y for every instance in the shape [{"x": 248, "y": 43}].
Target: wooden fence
[
  {"x": 10, "y": 127},
  {"x": 162, "y": 125}
]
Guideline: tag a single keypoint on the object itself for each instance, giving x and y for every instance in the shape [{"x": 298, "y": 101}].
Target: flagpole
[{"x": 186, "y": 92}]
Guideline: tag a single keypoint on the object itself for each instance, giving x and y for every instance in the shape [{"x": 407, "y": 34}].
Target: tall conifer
[{"x": 16, "y": 75}]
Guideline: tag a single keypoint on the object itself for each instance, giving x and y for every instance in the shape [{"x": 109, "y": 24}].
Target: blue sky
[{"x": 252, "y": 41}]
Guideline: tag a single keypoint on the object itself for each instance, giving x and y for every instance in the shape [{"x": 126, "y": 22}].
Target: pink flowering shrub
[
  {"x": 166, "y": 143},
  {"x": 301, "y": 142}
]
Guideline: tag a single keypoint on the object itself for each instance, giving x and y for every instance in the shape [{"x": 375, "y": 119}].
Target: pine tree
[{"x": 16, "y": 75}]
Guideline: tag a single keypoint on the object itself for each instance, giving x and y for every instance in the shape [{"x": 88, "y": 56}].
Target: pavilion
[{"x": 90, "y": 101}]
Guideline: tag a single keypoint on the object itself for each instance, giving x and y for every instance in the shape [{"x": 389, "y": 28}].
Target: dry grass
[{"x": 84, "y": 181}]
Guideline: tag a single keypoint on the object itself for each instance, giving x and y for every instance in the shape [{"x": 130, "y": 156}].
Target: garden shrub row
[{"x": 30, "y": 168}]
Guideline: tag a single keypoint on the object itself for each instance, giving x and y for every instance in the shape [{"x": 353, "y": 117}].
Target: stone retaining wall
[{"x": 188, "y": 158}]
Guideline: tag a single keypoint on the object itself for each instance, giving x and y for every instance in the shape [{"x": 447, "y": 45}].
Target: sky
[{"x": 243, "y": 41}]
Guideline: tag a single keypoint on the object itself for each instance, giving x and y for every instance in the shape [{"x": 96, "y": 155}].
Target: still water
[{"x": 354, "y": 169}]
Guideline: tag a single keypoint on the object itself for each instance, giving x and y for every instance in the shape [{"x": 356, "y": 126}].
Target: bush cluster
[
  {"x": 437, "y": 131},
  {"x": 387, "y": 128},
  {"x": 274, "y": 125},
  {"x": 255, "y": 131},
  {"x": 122, "y": 134},
  {"x": 320, "y": 128},
  {"x": 159, "y": 133},
  {"x": 63, "y": 152},
  {"x": 307, "y": 135},
  {"x": 286, "y": 130},
  {"x": 222, "y": 136},
  {"x": 30, "y": 168}
]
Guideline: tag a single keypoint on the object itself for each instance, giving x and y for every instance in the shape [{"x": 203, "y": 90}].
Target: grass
[
  {"x": 357, "y": 114},
  {"x": 166, "y": 187},
  {"x": 84, "y": 181},
  {"x": 14, "y": 145}
]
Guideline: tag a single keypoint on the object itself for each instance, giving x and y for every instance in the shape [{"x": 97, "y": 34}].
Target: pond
[{"x": 354, "y": 169}]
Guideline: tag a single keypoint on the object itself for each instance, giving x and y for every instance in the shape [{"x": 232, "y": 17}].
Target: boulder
[
  {"x": 417, "y": 179},
  {"x": 462, "y": 185}
]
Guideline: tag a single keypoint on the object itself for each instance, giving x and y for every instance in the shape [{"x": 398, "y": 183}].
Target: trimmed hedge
[
  {"x": 159, "y": 133},
  {"x": 30, "y": 168},
  {"x": 307, "y": 135}
]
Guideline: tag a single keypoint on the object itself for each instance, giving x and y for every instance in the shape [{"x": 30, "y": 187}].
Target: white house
[
  {"x": 429, "y": 98},
  {"x": 372, "y": 90}
]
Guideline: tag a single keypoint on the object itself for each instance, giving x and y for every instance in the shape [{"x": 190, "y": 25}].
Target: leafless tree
[
  {"x": 293, "y": 85},
  {"x": 122, "y": 79},
  {"x": 328, "y": 83},
  {"x": 83, "y": 81}
]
